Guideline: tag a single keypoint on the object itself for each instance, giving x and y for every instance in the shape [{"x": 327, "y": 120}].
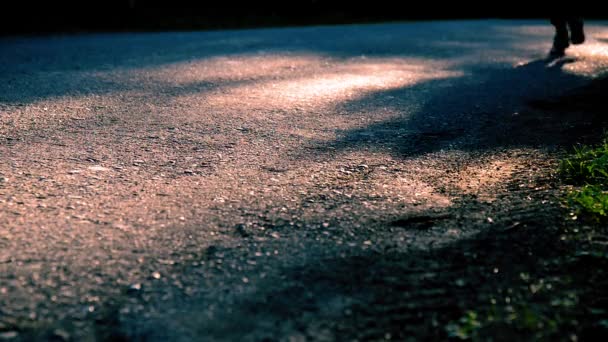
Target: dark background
[{"x": 39, "y": 17}]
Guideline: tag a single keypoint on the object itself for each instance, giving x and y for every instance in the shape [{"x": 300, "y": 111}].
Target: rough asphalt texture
[{"x": 295, "y": 184}]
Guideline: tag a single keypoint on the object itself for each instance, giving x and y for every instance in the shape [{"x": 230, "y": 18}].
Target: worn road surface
[{"x": 275, "y": 184}]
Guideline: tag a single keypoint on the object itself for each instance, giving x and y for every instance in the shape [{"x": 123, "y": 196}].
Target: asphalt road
[{"x": 233, "y": 185}]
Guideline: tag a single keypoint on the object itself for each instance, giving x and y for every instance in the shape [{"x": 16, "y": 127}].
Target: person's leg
[
  {"x": 561, "y": 38},
  {"x": 577, "y": 33}
]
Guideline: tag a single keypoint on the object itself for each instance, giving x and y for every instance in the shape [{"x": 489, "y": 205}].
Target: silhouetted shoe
[
  {"x": 557, "y": 52},
  {"x": 577, "y": 33}
]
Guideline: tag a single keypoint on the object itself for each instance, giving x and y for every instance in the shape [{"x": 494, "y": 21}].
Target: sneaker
[
  {"x": 577, "y": 33},
  {"x": 557, "y": 52}
]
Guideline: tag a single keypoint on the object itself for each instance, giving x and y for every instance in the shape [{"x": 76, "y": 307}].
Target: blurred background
[{"x": 34, "y": 17}]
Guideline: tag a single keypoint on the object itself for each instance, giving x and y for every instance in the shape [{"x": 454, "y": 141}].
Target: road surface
[{"x": 273, "y": 184}]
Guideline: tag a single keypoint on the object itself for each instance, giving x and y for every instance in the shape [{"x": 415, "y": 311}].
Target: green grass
[
  {"x": 554, "y": 299},
  {"x": 522, "y": 321},
  {"x": 587, "y": 168},
  {"x": 590, "y": 199},
  {"x": 466, "y": 328}
]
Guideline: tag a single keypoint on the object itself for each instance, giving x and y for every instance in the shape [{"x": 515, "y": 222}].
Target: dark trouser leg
[
  {"x": 577, "y": 34},
  {"x": 561, "y": 40}
]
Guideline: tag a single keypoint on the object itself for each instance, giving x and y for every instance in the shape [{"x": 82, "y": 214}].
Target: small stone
[
  {"x": 3, "y": 179},
  {"x": 134, "y": 288},
  {"x": 242, "y": 230},
  {"x": 98, "y": 168},
  {"x": 74, "y": 172},
  {"x": 121, "y": 226},
  {"x": 155, "y": 275},
  {"x": 189, "y": 172}
]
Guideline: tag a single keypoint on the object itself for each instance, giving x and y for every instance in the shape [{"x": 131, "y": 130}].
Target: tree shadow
[
  {"x": 406, "y": 293},
  {"x": 498, "y": 111}
]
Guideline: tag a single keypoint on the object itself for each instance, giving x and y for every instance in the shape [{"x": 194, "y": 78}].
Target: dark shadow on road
[
  {"x": 392, "y": 290},
  {"x": 491, "y": 108}
]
